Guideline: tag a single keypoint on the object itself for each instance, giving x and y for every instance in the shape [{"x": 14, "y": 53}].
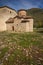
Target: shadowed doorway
[{"x": 12, "y": 28}]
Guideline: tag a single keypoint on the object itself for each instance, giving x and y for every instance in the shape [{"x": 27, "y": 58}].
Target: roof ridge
[{"x": 7, "y": 7}]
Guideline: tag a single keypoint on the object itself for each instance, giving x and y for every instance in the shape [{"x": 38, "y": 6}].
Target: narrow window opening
[
  {"x": 10, "y": 12},
  {"x": 13, "y": 28}
]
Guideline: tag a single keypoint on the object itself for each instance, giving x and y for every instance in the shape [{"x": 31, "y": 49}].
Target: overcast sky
[{"x": 22, "y": 4}]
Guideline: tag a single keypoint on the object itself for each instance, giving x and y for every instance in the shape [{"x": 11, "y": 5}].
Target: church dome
[{"x": 22, "y": 12}]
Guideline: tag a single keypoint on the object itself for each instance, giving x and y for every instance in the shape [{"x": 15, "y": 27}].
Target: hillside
[
  {"x": 21, "y": 48},
  {"x": 37, "y": 14}
]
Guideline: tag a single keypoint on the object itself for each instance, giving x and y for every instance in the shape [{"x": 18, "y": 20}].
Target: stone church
[
  {"x": 10, "y": 20},
  {"x": 20, "y": 23}
]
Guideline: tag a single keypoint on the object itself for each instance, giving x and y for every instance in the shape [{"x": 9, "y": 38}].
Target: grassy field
[{"x": 21, "y": 48}]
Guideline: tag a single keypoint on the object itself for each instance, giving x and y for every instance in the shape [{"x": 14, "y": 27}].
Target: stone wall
[
  {"x": 9, "y": 26},
  {"x": 17, "y": 24},
  {"x": 5, "y": 14},
  {"x": 20, "y": 26},
  {"x": 31, "y": 25}
]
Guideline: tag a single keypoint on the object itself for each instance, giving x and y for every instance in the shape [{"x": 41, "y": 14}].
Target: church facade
[{"x": 20, "y": 23}]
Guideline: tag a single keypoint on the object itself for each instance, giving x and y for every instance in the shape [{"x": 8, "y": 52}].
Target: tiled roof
[
  {"x": 25, "y": 20},
  {"x": 27, "y": 17},
  {"x": 10, "y": 20},
  {"x": 18, "y": 17},
  {"x": 24, "y": 17}
]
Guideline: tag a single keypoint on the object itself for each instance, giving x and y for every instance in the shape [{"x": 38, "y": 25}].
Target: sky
[{"x": 22, "y": 4}]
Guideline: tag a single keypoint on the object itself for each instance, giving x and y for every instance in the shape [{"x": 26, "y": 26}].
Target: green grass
[
  {"x": 3, "y": 51},
  {"x": 18, "y": 44}
]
